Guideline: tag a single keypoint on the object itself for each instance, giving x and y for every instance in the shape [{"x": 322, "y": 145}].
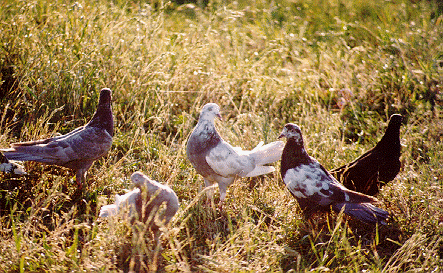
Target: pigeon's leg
[
  {"x": 80, "y": 178},
  {"x": 222, "y": 195},
  {"x": 223, "y": 188},
  {"x": 223, "y": 184},
  {"x": 210, "y": 191}
]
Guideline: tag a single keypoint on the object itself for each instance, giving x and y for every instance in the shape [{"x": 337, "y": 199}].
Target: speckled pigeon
[{"x": 315, "y": 189}]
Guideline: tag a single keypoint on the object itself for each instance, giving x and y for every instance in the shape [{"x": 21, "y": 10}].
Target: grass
[{"x": 339, "y": 69}]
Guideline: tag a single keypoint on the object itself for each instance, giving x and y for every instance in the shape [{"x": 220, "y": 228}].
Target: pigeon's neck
[
  {"x": 391, "y": 138},
  {"x": 206, "y": 127},
  {"x": 207, "y": 134},
  {"x": 294, "y": 154},
  {"x": 103, "y": 118},
  {"x": 206, "y": 119}
]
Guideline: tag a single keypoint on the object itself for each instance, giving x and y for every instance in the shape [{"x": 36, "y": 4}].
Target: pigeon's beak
[
  {"x": 219, "y": 116},
  {"x": 283, "y": 133}
]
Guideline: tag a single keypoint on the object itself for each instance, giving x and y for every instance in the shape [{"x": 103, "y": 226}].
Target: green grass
[{"x": 339, "y": 69}]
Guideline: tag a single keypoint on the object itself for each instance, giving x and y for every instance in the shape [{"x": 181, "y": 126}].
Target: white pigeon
[
  {"x": 145, "y": 202},
  {"x": 218, "y": 162}
]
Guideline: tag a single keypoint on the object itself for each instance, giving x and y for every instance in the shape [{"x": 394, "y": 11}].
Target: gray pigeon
[
  {"x": 76, "y": 150},
  {"x": 144, "y": 202},
  {"x": 218, "y": 162},
  {"x": 315, "y": 189},
  {"x": 10, "y": 167}
]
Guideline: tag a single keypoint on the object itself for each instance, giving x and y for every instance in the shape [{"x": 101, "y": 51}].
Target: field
[{"x": 336, "y": 68}]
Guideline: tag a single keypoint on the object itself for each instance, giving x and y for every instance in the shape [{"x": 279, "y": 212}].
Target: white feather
[{"x": 124, "y": 202}]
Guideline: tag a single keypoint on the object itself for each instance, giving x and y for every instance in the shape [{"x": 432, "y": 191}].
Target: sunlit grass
[{"x": 339, "y": 69}]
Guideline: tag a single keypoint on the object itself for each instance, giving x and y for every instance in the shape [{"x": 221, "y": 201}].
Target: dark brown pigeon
[
  {"x": 372, "y": 170},
  {"x": 218, "y": 162},
  {"x": 76, "y": 150},
  {"x": 315, "y": 189}
]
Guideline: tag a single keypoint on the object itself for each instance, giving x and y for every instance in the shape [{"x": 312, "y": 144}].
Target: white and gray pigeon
[
  {"x": 218, "y": 162},
  {"x": 315, "y": 189},
  {"x": 144, "y": 202},
  {"x": 11, "y": 167},
  {"x": 76, "y": 150}
]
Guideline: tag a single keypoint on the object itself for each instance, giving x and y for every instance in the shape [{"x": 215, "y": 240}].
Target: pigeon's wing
[
  {"x": 226, "y": 161},
  {"x": 46, "y": 140},
  {"x": 310, "y": 182},
  {"x": 87, "y": 145},
  {"x": 70, "y": 150},
  {"x": 314, "y": 182},
  {"x": 361, "y": 171}
]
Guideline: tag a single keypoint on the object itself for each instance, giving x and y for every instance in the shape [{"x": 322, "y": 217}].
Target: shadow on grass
[
  {"x": 45, "y": 192},
  {"x": 204, "y": 224},
  {"x": 331, "y": 241}
]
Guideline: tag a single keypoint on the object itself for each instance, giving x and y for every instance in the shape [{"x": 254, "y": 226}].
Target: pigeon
[
  {"x": 218, "y": 162},
  {"x": 76, "y": 150},
  {"x": 316, "y": 189},
  {"x": 144, "y": 202},
  {"x": 378, "y": 166},
  {"x": 10, "y": 167}
]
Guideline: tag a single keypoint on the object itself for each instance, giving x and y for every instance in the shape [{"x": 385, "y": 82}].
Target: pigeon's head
[
  {"x": 210, "y": 111},
  {"x": 105, "y": 96},
  {"x": 139, "y": 179},
  {"x": 396, "y": 120},
  {"x": 392, "y": 134},
  {"x": 292, "y": 131}
]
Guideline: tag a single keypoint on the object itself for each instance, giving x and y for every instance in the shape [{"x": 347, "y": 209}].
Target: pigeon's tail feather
[
  {"x": 259, "y": 145},
  {"x": 260, "y": 170},
  {"x": 268, "y": 153},
  {"x": 365, "y": 212},
  {"x": 13, "y": 154},
  {"x": 108, "y": 210}
]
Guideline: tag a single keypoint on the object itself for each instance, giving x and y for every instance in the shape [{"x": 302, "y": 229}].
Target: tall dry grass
[{"x": 339, "y": 69}]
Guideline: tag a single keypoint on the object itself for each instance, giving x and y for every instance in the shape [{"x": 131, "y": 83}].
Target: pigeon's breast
[{"x": 200, "y": 143}]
